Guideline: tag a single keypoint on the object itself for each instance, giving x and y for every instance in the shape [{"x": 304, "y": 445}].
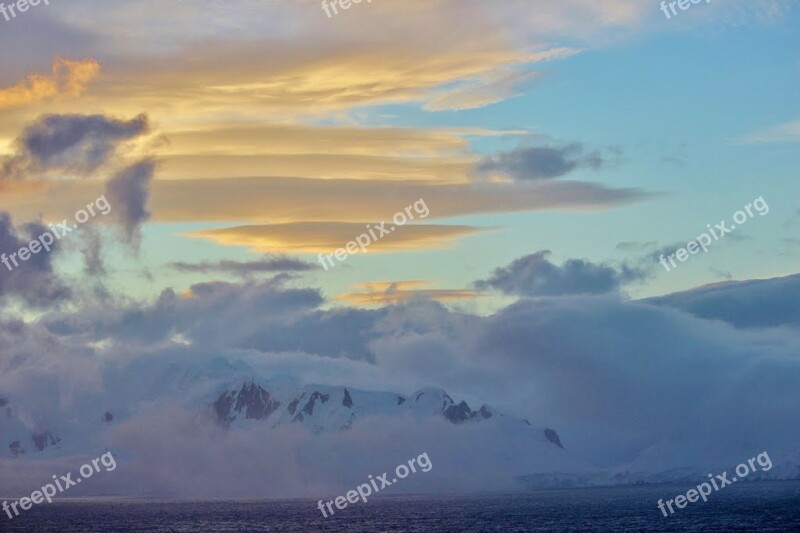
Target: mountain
[
  {"x": 237, "y": 404},
  {"x": 329, "y": 409},
  {"x": 229, "y": 420}
]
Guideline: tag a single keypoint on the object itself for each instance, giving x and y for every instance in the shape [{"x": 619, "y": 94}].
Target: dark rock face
[
  {"x": 447, "y": 401},
  {"x": 347, "y": 401},
  {"x": 256, "y": 402},
  {"x": 108, "y": 417},
  {"x": 223, "y": 408},
  {"x": 16, "y": 449},
  {"x": 293, "y": 405},
  {"x": 458, "y": 414},
  {"x": 400, "y": 400},
  {"x": 309, "y": 408},
  {"x": 45, "y": 439},
  {"x": 251, "y": 400},
  {"x": 552, "y": 436}
]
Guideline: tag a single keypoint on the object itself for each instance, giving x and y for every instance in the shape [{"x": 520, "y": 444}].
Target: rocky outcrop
[
  {"x": 458, "y": 414},
  {"x": 293, "y": 405},
  {"x": 16, "y": 449},
  {"x": 44, "y": 439},
  {"x": 309, "y": 408},
  {"x": 347, "y": 401},
  {"x": 251, "y": 401},
  {"x": 552, "y": 436}
]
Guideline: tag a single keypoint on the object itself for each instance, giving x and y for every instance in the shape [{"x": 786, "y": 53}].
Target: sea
[{"x": 752, "y": 506}]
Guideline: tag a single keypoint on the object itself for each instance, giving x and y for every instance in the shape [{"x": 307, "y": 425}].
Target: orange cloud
[
  {"x": 325, "y": 237},
  {"x": 69, "y": 77},
  {"x": 356, "y": 152},
  {"x": 392, "y": 292},
  {"x": 296, "y": 200}
]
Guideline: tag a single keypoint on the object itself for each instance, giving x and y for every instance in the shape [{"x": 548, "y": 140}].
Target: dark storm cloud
[
  {"x": 262, "y": 315},
  {"x": 33, "y": 281},
  {"x": 128, "y": 192},
  {"x": 527, "y": 163},
  {"x": 744, "y": 304},
  {"x": 73, "y": 144},
  {"x": 246, "y": 268},
  {"x": 535, "y": 275}
]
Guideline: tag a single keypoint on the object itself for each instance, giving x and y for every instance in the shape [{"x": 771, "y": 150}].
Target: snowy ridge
[{"x": 325, "y": 409}]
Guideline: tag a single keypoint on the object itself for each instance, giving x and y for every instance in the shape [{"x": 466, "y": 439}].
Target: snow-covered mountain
[
  {"x": 232, "y": 422},
  {"x": 330, "y": 409},
  {"x": 239, "y": 404}
]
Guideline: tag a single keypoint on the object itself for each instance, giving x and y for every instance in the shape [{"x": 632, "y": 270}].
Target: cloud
[
  {"x": 92, "y": 249},
  {"x": 631, "y": 365},
  {"x": 342, "y": 152},
  {"x": 744, "y": 304},
  {"x": 318, "y": 165},
  {"x": 326, "y": 237},
  {"x": 305, "y": 139},
  {"x": 603, "y": 371},
  {"x": 335, "y": 76},
  {"x": 32, "y": 281},
  {"x": 530, "y": 163},
  {"x": 128, "y": 192},
  {"x": 535, "y": 275},
  {"x": 492, "y": 87},
  {"x": 721, "y": 273},
  {"x": 202, "y": 71},
  {"x": 285, "y": 200},
  {"x": 71, "y": 145},
  {"x": 393, "y": 292},
  {"x": 787, "y": 132},
  {"x": 69, "y": 78},
  {"x": 260, "y": 315},
  {"x": 634, "y": 246},
  {"x": 247, "y": 268}
]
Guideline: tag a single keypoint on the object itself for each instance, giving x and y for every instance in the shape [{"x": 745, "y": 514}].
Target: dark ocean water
[{"x": 746, "y": 507}]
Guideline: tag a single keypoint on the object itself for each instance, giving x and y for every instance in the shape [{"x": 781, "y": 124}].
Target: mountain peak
[
  {"x": 251, "y": 400},
  {"x": 325, "y": 408}
]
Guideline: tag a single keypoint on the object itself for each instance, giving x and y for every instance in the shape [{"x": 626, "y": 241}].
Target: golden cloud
[
  {"x": 325, "y": 237},
  {"x": 292, "y": 200},
  {"x": 68, "y": 78},
  {"x": 276, "y": 150},
  {"x": 379, "y": 293}
]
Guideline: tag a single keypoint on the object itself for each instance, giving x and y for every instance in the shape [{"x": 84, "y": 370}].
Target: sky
[
  {"x": 562, "y": 151},
  {"x": 681, "y": 133}
]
